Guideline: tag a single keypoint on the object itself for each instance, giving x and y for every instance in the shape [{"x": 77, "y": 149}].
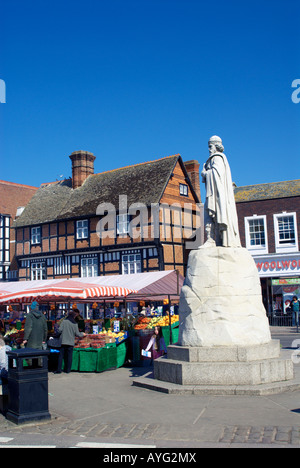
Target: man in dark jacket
[{"x": 35, "y": 331}]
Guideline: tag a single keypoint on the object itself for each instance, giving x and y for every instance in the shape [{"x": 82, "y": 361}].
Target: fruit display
[
  {"x": 154, "y": 322},
  {"x": 100, "y": 340},
  {"x": 142, "y": 323},
  {"x": 147, "y": 323},
  {"x": 165, "y": 322}
]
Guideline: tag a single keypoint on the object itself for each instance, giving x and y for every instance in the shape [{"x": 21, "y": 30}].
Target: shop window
[
  {"x": 82, "y": 229},
  {"x": 256, "y": 235},
  {"x": 36, "y": 235},
  {"x": 285, "y": 228}
]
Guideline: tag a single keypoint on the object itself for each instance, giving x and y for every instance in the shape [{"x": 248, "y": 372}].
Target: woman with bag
[
  {"x": 157, "y": 344},
  {"x": 68, "y": 329}
]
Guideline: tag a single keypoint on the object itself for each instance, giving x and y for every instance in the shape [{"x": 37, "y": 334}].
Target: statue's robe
[{"x": 220, "y": 202}]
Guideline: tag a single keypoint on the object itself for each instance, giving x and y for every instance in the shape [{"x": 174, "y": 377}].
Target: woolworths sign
[{"x": 278, "y": 265}]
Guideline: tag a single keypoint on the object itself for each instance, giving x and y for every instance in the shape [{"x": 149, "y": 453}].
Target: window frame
[
  {"x": 183, "y": 190},
  {"x": 287, "y": 246},
  {"x": 35, "y": 237},
  {"x": 256, "y": 249},
  {"x": 135, "y": 262},
  {"x": 93, "y": 267},
  {"x": 82, "y": 229},
  {"x": 124, "y": 223},
  {"x": 38, "y": 273}
]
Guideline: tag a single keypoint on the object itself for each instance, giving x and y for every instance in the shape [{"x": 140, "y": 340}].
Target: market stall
[{"x": 95, "y": 355}]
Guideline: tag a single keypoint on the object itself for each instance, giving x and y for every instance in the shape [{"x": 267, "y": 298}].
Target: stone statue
[{"x": 220, "y": 216}]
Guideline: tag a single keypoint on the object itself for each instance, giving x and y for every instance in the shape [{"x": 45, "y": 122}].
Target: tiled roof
[
  {"x": 290, "y": 188},
  {"x": 14, "y": 195},
  {"x": 143, "y": 183}
]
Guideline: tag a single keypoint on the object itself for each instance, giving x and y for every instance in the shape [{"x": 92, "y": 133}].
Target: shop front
[{"x": 280, "y": 281}]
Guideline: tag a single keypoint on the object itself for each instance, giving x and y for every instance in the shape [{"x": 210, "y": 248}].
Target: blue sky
[{"x": 137, "y": 80}]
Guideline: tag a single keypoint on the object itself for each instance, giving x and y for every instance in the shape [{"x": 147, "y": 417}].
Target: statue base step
[
  {"x": 224, "y": 365},
  {"x": 222, "y": 371}
]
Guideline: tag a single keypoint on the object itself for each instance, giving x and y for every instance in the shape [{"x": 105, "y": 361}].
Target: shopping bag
[{"x": 146, "y": 353}]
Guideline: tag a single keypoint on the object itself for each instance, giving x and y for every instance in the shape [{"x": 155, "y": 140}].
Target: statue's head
[{"x": 215, "y": 145}]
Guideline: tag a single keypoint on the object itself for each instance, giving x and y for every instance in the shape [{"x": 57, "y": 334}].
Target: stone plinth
[
  {"x": 221, "y": 302},
  {"x": 225, "y": 344},
  {"x": 251, "y": 365}
]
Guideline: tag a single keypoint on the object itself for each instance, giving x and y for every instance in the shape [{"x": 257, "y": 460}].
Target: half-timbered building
[{"x": 133, "y": 219}]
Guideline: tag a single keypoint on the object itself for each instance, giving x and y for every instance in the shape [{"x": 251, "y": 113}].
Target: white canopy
[{"x": 150, "y": 286}]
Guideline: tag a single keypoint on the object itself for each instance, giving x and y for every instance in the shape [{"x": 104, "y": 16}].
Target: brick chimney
[
  {"x": 192, "y": 168},
  {"x": 82, "y": 167}
]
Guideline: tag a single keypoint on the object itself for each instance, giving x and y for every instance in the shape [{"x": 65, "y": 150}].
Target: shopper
[
  {"x": 295, "y": 309},
  {"x": 68, "y": 329},
  {"x": 35, "y": 330},
  {"x": 3, "y": 359},
  {"x": 157, "y": 344}
]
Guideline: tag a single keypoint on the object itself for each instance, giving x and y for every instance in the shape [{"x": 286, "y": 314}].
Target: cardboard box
[{"x": 110, "y": 339}]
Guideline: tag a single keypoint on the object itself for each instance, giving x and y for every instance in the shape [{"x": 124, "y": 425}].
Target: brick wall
[{"x": 268, "y": 208}]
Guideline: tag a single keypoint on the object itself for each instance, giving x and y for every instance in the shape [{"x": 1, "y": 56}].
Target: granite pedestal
[{"x": 237, "y": 365}]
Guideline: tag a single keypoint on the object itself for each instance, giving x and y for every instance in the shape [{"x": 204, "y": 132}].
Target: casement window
[
  {"x": 183, "y": 190},
  {"x": 131, "y": 263},
  {"x": 82, "y": 229},
  {"x": 89, "y": 266},
  {"x": 285, "y": 228},
  {"x": 38, "y": 271},
  {"x": 123, "y": 224},
  {"x": 256, "y": 234},
  {"x": 36, "y": 235}
]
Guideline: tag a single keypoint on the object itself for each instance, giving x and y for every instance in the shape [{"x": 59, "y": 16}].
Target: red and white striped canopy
[{"x": 65, "y": 290}]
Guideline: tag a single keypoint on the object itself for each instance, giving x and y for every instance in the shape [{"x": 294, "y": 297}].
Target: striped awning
[{"x": 65, "y": 290}]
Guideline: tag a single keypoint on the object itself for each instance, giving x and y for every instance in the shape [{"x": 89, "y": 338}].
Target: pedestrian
[
  {"x": 3, "y": 359},
  {"x": 157, "y": 344},
  {"x": 35, "y": 330},
  {"x": 295, "y": 309},
  {"x": 68, "y": 329}
]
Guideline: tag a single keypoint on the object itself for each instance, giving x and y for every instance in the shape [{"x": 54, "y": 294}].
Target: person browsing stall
[{"x": 68, "y": 329}]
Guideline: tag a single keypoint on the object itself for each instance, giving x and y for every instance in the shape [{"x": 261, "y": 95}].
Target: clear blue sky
[{"x": 137, "y": 80}]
